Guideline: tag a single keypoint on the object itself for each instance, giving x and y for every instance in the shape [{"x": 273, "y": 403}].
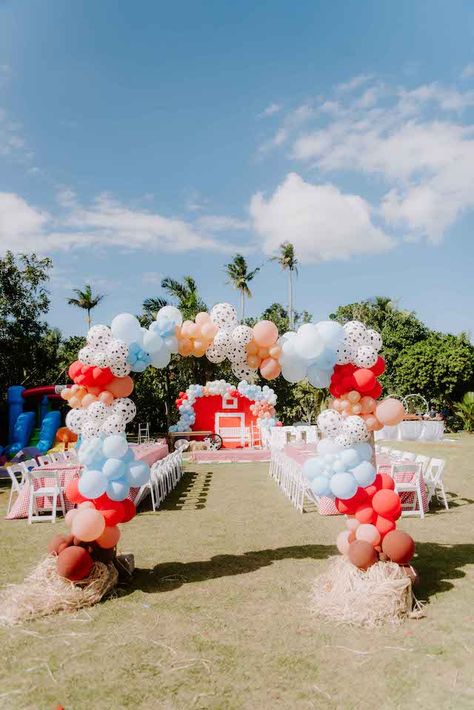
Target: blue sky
[{"x": 146, "y": 139}]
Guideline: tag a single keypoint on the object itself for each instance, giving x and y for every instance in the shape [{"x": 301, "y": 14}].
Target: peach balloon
[
  {"x": 390, "y": 411},
  {"x": 87, "y": 400},
  {"x": 199, "y": 344},
  {"x": 87, "y": 504},
  {"x": 193, "y": 331},
  {"x": 95, "y": 390},
  {"x": 74, "y": 402},
  {"x": 353, "y": 396},
  {"x": 345, "y": 405},
  {"x": 209, "y": 330},
  {"x": 370, "y": 421},
  {"x": 337, "y": 405},
  {"x": 342, "y": 542},
  {"x": 88, "y": 525},
  {"x": 66, "y": 393},
  {"x": 252, "y": 348},
  {"x": 270, "y": 368},
  {"x": 263, "y": 353},
  {"x": 185, "y": 347},
  {"x": 70, "y": 515},
  {"x": 121, "y": 386},
  {"x": 202, "y": 318},
  {"x": 368, "y": 533},
  {"x": 352, "y": 524},
  {"x": 275, "y": 351},
  {"x": 356, "y": 408},
  {"x": 109, "y": 537},
  {"x": 106, "y": 398},
  {"x": 253, "y": 361},
  {"x": 368, "y": 405},
  {"x": 265, "y": 333}
]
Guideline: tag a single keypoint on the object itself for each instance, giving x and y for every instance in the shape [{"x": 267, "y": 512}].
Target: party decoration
[{"x": 398, "y": 546}]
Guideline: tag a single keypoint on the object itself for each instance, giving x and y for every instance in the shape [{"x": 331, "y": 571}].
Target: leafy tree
[
  {"x": 240, "y": 277},
  {"x": 288, "y": 262},
  {"x": 465, "y": 411},
  {"x": 86, "y": 300}
]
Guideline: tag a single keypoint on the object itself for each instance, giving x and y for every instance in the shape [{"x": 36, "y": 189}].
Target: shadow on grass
[
  {"x": 171, "y": 575},
  {"x": 190, "y": 493},
  {"x": 437, "y": 564}
]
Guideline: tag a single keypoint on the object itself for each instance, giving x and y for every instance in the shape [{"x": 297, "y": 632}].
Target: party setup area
[{"x": 237, "y": 560}]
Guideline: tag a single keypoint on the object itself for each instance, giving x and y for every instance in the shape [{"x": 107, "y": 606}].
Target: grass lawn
[{"x": 217, "y": 614}]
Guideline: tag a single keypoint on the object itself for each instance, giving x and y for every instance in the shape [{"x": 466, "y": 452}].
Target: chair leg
[
  {"x": 420, "y": 502},
  {"x": 30, "y": 506},
  {"x": 443, "y": 495},
  {"x": 54, "y": 508},
  {"x": 62, "y": 503},
  {"x": 10, "y": 501}
]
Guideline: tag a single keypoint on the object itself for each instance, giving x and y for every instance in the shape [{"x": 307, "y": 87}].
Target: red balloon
[
  {"x": 72, "y": 492},
  {"x": 362, "y": 554},
  {"x": 365, "y": 514},
  {"x": 74, "y": 369},
  {"x": 348, "y": 383},
  {"x": 379, "y": 367},
  {"x": 102, "y": 376},
  {"x": 387, "y": 482},
  {"x": 349, "y": 506},
  {"x": 179, "y": 402},
  {"x": 387, "y": 503},
  {"x": 398, "y": 546},
  {"x": 130, "y": 510},
  {"x": 74, "y": 563},
  {"x": 376, "y": 391},
  {"x": 113, "y": 516},
  {"x": 384, "y": 525},
  {"x": 181, "y": 394},
  {"x": 364, "y": 380}
]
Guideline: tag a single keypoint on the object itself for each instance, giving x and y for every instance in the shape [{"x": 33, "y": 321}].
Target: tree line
[{"x": 438, "y": 366}]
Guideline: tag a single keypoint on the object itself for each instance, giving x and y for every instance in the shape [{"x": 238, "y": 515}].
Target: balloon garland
[{"x": 344, "y": 358}]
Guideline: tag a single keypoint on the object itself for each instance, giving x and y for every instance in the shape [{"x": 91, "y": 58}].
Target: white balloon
[
  {"x": 241, "y": 372},
  {"x": 126, "y": 327},
  {"x": 170, "y": 313},
  {"x": 86, "y": 355},
  {"x": 74, "y": 420},
  {"x": 100, "y": 359},
  {"x": 98, "y": 336},
  {"x": 355, "y": 332},
  {"x": 120, "y": 369},
  {"x": 124, "y": 408},
  {"x": 97, "y": 411},
  {"x": 345, "y": 353},
  {"x": 117, "y": 351},
  {"x": 224, "y": 315},
  {"x": 171, "y": 343},
  {"x": 329, "y": 422},
  {"x": 355, "y": 429},
  {"x": 373, "y": 338},
  {"x": 309, "y": 344},
  {"x": 215, "y": 355},
  {"x": 90, "y": 428},
  {"x": 114, "y": 424},
  {"x": 242, "y": 335}
]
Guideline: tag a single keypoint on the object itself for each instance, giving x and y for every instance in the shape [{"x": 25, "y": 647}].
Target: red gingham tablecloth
[{"x": 146, "y": 452}]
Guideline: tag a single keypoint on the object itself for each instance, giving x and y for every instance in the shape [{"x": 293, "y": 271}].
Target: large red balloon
[
  {"x": 74, "y": 369},
  {"x": 362, "y": 554},
  {"x": 365, "y": 380},
  {"x": 398, "y": 546},
  {"x": 384, "y": 525},
  {"x": 387, "y": 503},
  {"x": 74, "y": 563},
  {"x": 365, "y": 514},
  {"x": 379, "y": 367},
  {"x": 130, "y": 510}
]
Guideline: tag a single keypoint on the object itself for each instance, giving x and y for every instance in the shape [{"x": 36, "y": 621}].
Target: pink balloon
[
  {"x": 345, "y": 405},
  {"x": 370, "y": 422},
  {"x": 70, "y": 515},
  {"x": 390, "y": 411},
  {"x": 356, "y": 408},
  {"x": 202, "y": 318},
  {"x": 209, "y": 330},
  {"x": 342, "y": 542},
  {"x": 88, "y": 525},
  {"x": 106, "y": 397},
  {"x": 352, "y": 524},
  {"x": 368, "y": 533},
  {"x": 265, "y": 333},
  {"x": 86, "y": 504},
  {"x": 270, "y": 368},
  {"x": 353, "y": 397},
  {"x": 109, "y": 537}
]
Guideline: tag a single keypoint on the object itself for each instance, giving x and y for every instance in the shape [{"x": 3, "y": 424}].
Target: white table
[{"x": 415, "y": 430}]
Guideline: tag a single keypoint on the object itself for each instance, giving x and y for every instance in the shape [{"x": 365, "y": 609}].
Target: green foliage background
[{"x": 437, "y": 365}]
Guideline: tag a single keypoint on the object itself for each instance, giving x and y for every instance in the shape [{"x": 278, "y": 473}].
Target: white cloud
[
  {"x": 105, "y": 223},
  {"x": 220, "y": 223},
  {"x": 355, "y": 83},
  {"x": 270, "y": 110},
  {"x": 415, "y": 140},
  {"x": 321, "y": 221}
]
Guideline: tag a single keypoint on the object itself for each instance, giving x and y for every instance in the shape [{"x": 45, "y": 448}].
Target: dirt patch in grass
[{"x": 217, "y": 614}]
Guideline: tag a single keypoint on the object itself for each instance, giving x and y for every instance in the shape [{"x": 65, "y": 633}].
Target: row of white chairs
[
  {"x": 425, "y": 468},
  {"x": 164, "y": 477},
  {"x": 289, "y": 476},
  {"x": 20, "y": 475}
]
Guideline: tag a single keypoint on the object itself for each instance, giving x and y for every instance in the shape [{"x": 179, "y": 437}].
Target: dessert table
[{"x": 150, "y": 452}]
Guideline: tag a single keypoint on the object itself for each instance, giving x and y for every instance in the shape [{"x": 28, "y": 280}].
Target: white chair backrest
[
  {"x": 435, "y": 469},
  {"x": 43, "y": 460},
  {"x": 181, "y": 445},
  {"x": 56, "y": 456},
  {"x": 402, "y": 468},
  {"x": 29, "y": 464},
  {"x": 13, "y": 471},
  {"x": 52, "y": 478},
  {"x": 424, "y": 460},
  {"x": 408, "y": 456}
]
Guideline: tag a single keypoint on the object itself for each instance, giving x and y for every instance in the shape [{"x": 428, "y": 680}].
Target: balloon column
[{"x": 345, "y": 466}]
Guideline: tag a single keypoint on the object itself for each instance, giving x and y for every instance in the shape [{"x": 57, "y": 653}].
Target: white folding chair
[
  {"x": 434, "y": 481},
  {"x": 407, "y": 479},
  {"x": 43, "y": 460},
  {"x": 14, "y": 471},
  {"x": 56, "y": 457},
  {"x": 70, "y": 455},
  {"x": 50, "y": 487},
  {"x": 408, "y": 456},
  {"x": 424, "y": 460}
]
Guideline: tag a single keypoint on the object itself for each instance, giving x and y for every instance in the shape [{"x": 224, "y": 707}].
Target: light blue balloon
[
  {"x": 313, "y": 467},
  {"x": 126, "y": 327},
  {"x": 339, "y": 466},
  {"x": 364, "y": 474},
  {"x": 161, "y": 358},
  {"x": 129, "y": 456},
  {"x": 327, "y": 359},
  {"x": 138, "y": 474},
  {"x": 114, "y": 469},
  {"x": 317, "y": 377},
  {"x": 92, "y": 484},
  {"x": 118, "y": 490},
  {"x": 350, "y": 457},
  {"x": 138, "y": 366},
  {"x": 90, "y": 452},
  {"x": 115, "y": 446},
  {"x": 294, "y": 369},
  {"x": 331, "y": 332},
  {"x": 364, "y": 450},
  {"x": 320, "y": 486},
  {"x": 343, "y": 485},
  {"x": 152, "y": 342}
]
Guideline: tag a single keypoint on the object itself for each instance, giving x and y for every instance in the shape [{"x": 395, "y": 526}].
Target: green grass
[{"x": 217, "y": 614}]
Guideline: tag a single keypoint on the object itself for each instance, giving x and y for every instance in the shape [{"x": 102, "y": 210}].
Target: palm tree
[
  {"x": 288, "y": 262},
  {"x": 240, "y": 277},
  {"x": 465, "y": 411},
  {"x": 186, "y": 294},
  {"x": 86, "y": 300}
]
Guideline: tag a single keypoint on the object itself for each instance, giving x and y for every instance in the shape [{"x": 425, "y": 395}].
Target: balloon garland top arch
[{"x": 343, "y": 358}]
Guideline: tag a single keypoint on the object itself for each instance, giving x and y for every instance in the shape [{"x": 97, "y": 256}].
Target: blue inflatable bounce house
[{"x": 32, "y": 428}]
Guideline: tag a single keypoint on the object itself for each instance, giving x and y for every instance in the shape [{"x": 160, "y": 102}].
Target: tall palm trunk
[
  {"x": 242, "y": 305},
  {"x": 89, "y": 319},
  {"x": 290, "y": 299}
]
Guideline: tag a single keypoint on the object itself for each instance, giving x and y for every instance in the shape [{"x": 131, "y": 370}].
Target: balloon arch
[{"x": 344, "y": 359}]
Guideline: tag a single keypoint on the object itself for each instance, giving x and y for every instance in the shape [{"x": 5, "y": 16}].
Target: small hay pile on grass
[
  {"x": 347, "y": 595},
  {"x": 44, "y": 592}
]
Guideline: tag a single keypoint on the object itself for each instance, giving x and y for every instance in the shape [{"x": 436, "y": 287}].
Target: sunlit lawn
[{"x": 217, "y": 614}]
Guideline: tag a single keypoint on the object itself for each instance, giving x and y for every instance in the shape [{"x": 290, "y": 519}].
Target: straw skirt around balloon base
[
  {"x": 344, "y": 594},
  {"x": 44, "y": 592}
]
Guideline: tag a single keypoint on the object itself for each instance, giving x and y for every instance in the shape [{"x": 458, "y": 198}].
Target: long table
[{"x": 413, "y": 430}]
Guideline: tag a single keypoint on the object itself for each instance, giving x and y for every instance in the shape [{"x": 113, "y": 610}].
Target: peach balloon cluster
[
  {"x": 263, "y": 351},
  {"x": 262, "y": 409},
  {"x": 194, "y": 337},
  {"x": 81, "y": 396},
  {"x": 376, "y": 415}
]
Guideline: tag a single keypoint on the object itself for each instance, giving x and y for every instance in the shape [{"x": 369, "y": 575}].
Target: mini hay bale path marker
[{"x": 362, "y": 586}]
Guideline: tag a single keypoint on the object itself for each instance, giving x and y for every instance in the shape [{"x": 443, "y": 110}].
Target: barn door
[{"x": 231, "y": 427}]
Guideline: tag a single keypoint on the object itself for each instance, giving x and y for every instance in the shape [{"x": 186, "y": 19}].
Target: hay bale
[
  {"x": 44, "y": 592},
  {"x": 345, "y": 594}
]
